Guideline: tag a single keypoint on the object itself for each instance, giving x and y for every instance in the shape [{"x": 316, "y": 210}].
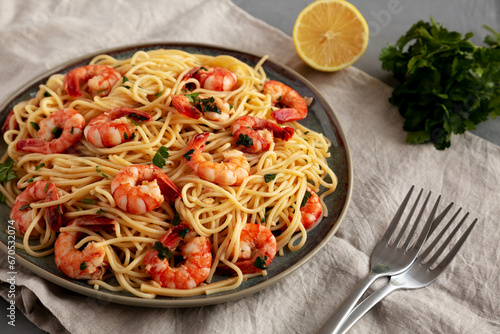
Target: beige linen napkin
[{"x": 36, "y": 36}]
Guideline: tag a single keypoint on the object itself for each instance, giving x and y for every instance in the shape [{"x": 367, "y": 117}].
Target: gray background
[{"x": 387, "y": 20}]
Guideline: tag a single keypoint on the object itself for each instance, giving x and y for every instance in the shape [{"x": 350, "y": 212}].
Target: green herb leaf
[
  {"x": 447, "y": 84},
  {"x": 260, "y": 263},
  {"x": 160, "y": 156},
  {"x": 163, "y": 252},
  {"x": 57, "y": 131},
  {"x": 269, "y": 177},
  {"x": 6, "y": 172},
  {"x": 88, "y": 201},
  {"x": 101, "y": 172},
  {"x": 83, "y": 266},
  {"x": 100, "y": 212},
  {"x": 35, "y": 126},
  {"x": 177, "y": 219},
  {"x": 193, "y": 97},
  {"x": 40, "y": 166},
  {"x": 183, "y": 233},
  {"x": 46, "y": 94},
  {"x": 307, "y": 195},
  {"x": 244, "y": 140},
  {"x": 187, "y": 156}
]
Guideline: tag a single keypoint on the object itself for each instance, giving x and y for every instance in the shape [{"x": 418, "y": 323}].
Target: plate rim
[{"x": 205, "y": 299}]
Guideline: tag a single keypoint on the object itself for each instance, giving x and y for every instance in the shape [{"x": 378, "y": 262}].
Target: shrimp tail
[
  {"x": 288, "y": 115},
  {"x": 6, "y": 125},
  {"x": 53, "y": 215},
  {"x": 184, "y": 107},
  {"x": 95, "y": 222},
  {"x": 168, "y": 188},
  {"x": 172, "y": 237},
  {"x": 33, "y": 145}
]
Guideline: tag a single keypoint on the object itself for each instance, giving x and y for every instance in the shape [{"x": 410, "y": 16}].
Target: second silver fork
[{"x": 392, "y": 255}]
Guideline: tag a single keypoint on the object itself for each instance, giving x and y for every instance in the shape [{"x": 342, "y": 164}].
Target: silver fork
[
  {"x": 390, "y": 257},
  {"x": 422, "y": 273}
]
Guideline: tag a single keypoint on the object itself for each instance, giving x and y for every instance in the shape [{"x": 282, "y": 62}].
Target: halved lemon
[{"x": 330, "y": 35}]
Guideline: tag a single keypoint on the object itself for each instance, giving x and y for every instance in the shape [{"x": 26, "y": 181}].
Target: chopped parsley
[
  {"x": 260, "y": 263},
  {"x": 35, "y": 126},
  {"x": 177, "y": 219},
  {"x": 160, "y": 156},
  {"x": 40, "y": 166},
  {"x": 100, "y": 212},
  {"x": 307, "y": 195},
  {"x": 6, "y": 172},
  {"x": 101, "y": 172},
  {"x": 24, "y": 207},
  {"x": 46, "y": 94},
  {"x": 183, "y": 233},
  {"x": 187, "y": 156},
  {"x": 244, "y": 140},
  {"x": 163, "y": 252},
  {"x": 157, "y": 95},
  {"x": 46, "y": 188},
  {"x": 83, "y": 266},
  {"x": 72, "y": 130},
  {"x": 88, "y": 201},
  {"x": 57, "y": 131},
  {"x": 269, "y": 177}
]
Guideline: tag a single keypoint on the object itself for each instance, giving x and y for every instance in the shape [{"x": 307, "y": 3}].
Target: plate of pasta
[{"x": 170, "y": 175}]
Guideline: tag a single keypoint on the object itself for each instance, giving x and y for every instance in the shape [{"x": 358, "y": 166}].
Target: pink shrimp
[
  {"x": 148, "y": 195},
  {"x": 282, "y": 95},
  {"x": 257, "y": 250},
  {"x": 232, "y": 171},
  {"x": 257, "y": 134},
  {"x": 195, "y": 251},
  {"x": 311, "y": 210},
  {"x": 37, "y": 191},
  {"x": 68, "y": 120},
  {"x": 100, "y": 79},
  {"x": 114, "y": 127},
  {"x": 88, "y": 263},
  {"x": 7, "y": 125},
  {"x": 212, "y": 78},
  {"x": 192, "y": 106}
]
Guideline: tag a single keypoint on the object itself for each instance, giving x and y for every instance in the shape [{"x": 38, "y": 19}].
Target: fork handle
[
  {"x": 333, "y": 325},
  {"x": 367, "y": 305}
]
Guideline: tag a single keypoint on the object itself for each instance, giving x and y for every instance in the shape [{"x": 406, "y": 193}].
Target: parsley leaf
[
  {"x": 163, "y": 252},
  {"x": 187, "y": 156},
  {"x": 101, "y": 172},
  {"x": 269, "y": 177},
  {"x": 6, "y": 172},
  {"x": 260, "y": 263},
  {"x": 307, "y": 195},
  {"x": 447, "y": 84},
  {"x": 244, "y": 140},
  {"x": 83, "y": 266},
  {"x": 35, "y": 126},
  {"x": 160, "y": 156},
  {"x": 40, "y": 166}
]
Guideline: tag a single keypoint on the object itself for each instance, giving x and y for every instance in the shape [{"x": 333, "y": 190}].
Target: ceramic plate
[{"x": 320, "y": 118}]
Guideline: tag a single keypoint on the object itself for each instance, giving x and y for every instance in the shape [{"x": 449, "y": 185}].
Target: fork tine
[
  {"x": 408, "y": 219},
  {"x": 432, "y": 246},
  {"x": 417, "y": 221},
  {"x": 425, "y": 231},
  {"x": 440, "y": 218},
  {"x": 440, "y": 267},
  {"x": 392, "y": 226}
]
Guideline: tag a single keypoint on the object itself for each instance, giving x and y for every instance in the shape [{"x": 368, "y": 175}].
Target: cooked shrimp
[
  {"x": 100, "y": 79},
  {"x": 37, "y": 191},
  {"x": 69, "y": 121},
  {"x": 192, "y": 106},
  {"x": 257, "y": 250},
  {"x": 114, "y": 127},
  {"x": 197, "y": 260},
  {"x": 7, "y": 123},
  {"x": 232, "y": 171},
  {"x": 88, "y": 263},
  {"x": 212, "y": 78},
  {"x": 311, "y": 210},
  {"x": 141, "y": 188},
  {"x": 282, "y": 95},
  {"x": 257, "y": 134}
]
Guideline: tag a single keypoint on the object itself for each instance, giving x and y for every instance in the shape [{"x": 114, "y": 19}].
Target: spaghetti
[{"x": 280, "y": 180}]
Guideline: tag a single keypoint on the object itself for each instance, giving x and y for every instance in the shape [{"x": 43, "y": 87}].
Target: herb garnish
[
  {"x": 40, "y": 166},
  {"x": 83, "y": 266},
  {"x": 35, "y": 126},
  {"x": 6, "y": 172},
  {"x": 305, "y": 199},
  {"x": 447, "y": 84},
  {"x": 163, "y": 252},
  {"x": 269, "y": 177},
  {"x": 244, "y": 140},
  {"x": 260, "y": 263},
  {"x": 160, "y": 156},
  {"x": 101, "y": 172},
  {"x": 187, "y": 156}
]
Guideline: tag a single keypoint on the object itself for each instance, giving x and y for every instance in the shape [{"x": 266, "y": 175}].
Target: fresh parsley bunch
[{"x": 447, "y": 84}]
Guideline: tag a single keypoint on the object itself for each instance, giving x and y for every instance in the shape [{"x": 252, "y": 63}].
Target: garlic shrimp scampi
[{"x": 164, "y": 173}]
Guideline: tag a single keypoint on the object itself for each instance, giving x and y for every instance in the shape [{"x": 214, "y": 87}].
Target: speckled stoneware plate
[{"x": 320, "y": 118}]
